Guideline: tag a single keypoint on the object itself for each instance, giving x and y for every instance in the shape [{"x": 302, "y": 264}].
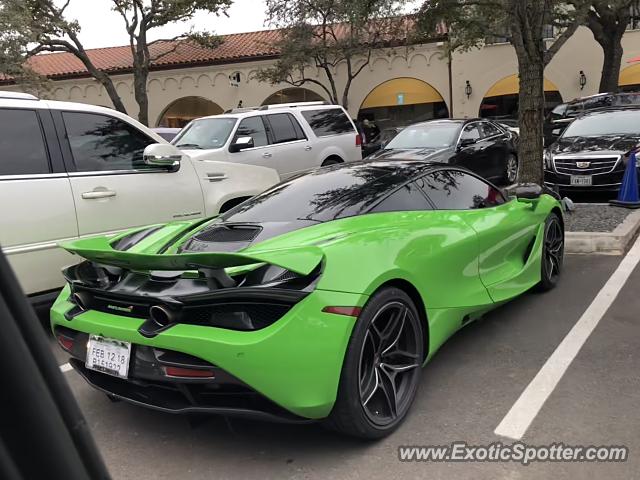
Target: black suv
[
  {"x": 562, "y": 115},
  {"x": 593, "y": 151}
]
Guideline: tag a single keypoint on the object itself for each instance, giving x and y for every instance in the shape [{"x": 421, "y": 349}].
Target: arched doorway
[
  {"x": 185, "y": 109},
  {"x": 630, "y": 79},
  {"x": 501, "y": 100},
  {"x": 293, "y": 95},
  {"x": 402, "y": 101}
]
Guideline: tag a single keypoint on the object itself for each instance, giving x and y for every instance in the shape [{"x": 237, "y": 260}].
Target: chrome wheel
[
  {"x": 512, "y": 169},
  {"x": 553, "y": 249},
  {"x": 389, "y": 363}
]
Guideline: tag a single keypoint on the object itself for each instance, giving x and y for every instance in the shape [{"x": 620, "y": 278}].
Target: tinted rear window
[
  {"x": 322, "y": 195},
  {"x": 22, "y": 145},
  {"x": 328, "y": 122}
]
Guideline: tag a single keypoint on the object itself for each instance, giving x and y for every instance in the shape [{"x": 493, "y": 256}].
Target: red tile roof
[{"x": 234, "y": 48}]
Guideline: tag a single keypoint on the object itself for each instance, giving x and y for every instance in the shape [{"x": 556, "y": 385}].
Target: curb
[{"x": 605, "y": 243}]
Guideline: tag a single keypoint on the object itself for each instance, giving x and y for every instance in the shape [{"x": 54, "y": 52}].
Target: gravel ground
[{"x": 595, "y": 218}]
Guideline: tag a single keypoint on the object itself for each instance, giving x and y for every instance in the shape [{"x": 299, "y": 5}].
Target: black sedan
[
  {"x": 482, "y": 146},
  {"x": 593, "y": 151}
]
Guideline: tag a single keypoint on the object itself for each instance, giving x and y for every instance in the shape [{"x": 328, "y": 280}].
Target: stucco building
[{"x": 398, "y": 86}]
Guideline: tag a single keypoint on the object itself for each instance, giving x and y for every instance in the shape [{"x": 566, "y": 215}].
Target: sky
[{"x": 101, "y": 27}]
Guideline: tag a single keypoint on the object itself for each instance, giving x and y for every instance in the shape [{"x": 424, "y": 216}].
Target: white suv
[
  {"x": 289, "y": 137},
  {"x": 72, "y": 170}
]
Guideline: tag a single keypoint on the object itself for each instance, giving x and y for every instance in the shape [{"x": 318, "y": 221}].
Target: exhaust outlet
[
  {"x": 80, "y": 300},
  {"x": 160, "y": 315}
]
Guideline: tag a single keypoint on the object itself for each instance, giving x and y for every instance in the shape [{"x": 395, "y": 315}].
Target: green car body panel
[{"x": 457, "y": 265}]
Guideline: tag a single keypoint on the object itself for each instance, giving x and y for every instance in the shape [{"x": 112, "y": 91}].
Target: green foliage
[
  {"x": 30, "y": 27},
  {"x": 322, "y": 34}
]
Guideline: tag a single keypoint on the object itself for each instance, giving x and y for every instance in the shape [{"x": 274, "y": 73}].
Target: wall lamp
[
  {"x": 582, "y": 79},
  {"x": 468, "y": 89}
]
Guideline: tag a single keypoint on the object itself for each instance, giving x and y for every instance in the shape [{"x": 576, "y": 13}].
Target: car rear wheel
[
  {"x": 552, "y": 252},
  {"x": 331, "y": 161},
  {"x": 511, "y": 170},
  {"x": 381, "y": 371}
]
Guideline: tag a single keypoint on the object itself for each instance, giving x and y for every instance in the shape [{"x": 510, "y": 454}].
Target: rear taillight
[
  {"x": 358, "y": 140},
  {"x": 188, "y": 372},
  {"x": 65, "y": 342}
]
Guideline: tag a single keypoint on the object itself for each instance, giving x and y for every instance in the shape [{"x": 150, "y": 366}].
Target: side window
[
  {"x": 456, "y": 190},
  {"x": 103, "y": 143},
  {"x": 471, "y": 132},
  {"x": 21, "y": 143},
  {"x": 283, "y": 128},
  {"x": 253, "y": 127},
  {"x": 490, "y": 130},
  {"x": 331, "y": 121},
  {"x": 407, "y": 198}
]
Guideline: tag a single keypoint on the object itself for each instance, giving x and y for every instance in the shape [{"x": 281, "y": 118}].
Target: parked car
[
  {"x": 385, "y": 136},
  {"x": 72, "y": 170},
  {"x": 167, "y": 133},
  {"x": 562, "y": 115},
  {"x": 289, "y": 137},
  {"x": 482, "y": 146},
  {"x": 593, "y": 151},
  {"x": 319, "y": 299}
]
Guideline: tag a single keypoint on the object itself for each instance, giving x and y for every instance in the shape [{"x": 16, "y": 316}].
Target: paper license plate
[
  {"x": 581, "y": 180},
  {"x": 109, "y": 356}
]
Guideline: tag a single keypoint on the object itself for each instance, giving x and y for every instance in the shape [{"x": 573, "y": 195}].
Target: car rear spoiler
[{"x": 301, "y": 260}]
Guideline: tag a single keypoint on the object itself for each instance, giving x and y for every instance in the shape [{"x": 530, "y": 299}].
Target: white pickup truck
[{"x": 71, "y": 170}]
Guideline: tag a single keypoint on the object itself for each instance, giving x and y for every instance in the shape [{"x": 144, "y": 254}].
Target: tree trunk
[
  {"x": 611, "y": 66},
  {"x": 105, "y": 81},
  {"x": 531, "y": 117},
  {"x": 140, "y": 93}
]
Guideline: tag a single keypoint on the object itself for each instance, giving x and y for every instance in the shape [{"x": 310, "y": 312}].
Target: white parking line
[
  {"x": 65, "y": 368},
  {"x": 515, "y": 424}
]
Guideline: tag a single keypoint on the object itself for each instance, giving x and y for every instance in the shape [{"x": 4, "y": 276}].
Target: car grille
[{"x": 585, "y": 165}]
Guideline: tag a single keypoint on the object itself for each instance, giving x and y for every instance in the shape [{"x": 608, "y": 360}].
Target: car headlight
[{"x": 548, "y": 160}]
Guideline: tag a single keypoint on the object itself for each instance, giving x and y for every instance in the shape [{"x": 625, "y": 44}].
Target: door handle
[
  {"x": 98, "y": 194},
  {"x": 266, "y": 155},
  {"x": 308, "y": 148}
]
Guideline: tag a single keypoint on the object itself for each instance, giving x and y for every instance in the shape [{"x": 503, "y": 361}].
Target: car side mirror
[
  {"x": 466, "y": 142},
  {"x": 241, "y": 143},
  {"x": 161, "y": 155}
]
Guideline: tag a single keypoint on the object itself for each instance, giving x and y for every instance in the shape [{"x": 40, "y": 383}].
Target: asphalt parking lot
[{"x": 465, "y": 393}]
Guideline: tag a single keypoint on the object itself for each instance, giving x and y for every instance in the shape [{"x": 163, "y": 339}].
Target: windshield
[
  {"x": 435, "y": 135},
  {"x": 605, "y": 123},
  {"x": 206, "y": 133}
]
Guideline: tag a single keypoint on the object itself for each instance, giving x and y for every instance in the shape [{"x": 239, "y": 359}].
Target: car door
[
  {"x": 505, "y": 229},
  {"x": 112, "y": 187},
  {"x": 262, "y": 153},
  {"x": 471, "y": 151},
  {"x": 497, "y": 150},
  {"x": 292, "y": 150},
  {"x": 35, "y": 193}
]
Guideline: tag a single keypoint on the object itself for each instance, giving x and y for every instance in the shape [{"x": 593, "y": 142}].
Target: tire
[
  {"x": 510, "y": 170},
  {"x": 383, "y": 359},
  {"x": 552, "y": 253},
  {"x": 331, "y": 161}
]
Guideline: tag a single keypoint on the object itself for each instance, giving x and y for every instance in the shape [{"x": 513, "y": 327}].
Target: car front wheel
[
  {"x": 552, "y": 252},
  {"x": 381, "y": 371}
]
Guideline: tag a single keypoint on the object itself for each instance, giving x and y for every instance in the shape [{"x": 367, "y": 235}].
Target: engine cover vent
[{"x": 228, "y": 233}]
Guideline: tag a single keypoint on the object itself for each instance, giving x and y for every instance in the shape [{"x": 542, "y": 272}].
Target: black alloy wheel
[
  {"x": 381, "y": 372},
  {"x": 552, "y": 252}
]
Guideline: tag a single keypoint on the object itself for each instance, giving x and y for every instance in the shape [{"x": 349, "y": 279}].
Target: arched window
[
  {"x": 501, "y": 100},
  {"x": 402, "y": 101},
  {"x": 185, "y": 109}
]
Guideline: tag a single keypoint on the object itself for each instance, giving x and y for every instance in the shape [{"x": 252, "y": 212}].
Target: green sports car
[{"x": 319, "y": 299}]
